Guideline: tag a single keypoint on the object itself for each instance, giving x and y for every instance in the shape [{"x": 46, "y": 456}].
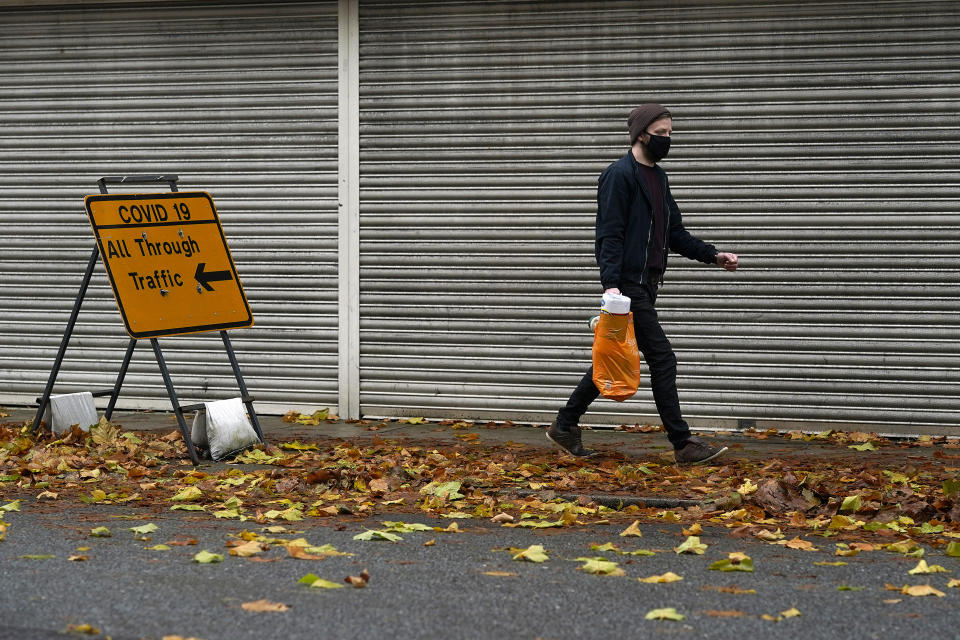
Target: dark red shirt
[{"x": 657, "y": 250}]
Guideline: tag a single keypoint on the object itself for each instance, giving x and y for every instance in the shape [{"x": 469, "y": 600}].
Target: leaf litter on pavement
[{"x": 849, "y": 503}]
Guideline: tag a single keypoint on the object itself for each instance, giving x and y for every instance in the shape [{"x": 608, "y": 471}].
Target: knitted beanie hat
[{"x": 641, "y": 117}]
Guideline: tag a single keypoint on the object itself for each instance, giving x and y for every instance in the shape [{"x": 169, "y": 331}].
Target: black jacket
[{"x": 625, "y": 226}]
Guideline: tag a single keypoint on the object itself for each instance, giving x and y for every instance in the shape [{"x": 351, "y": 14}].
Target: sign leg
[
  {"x": 120, "y": 377},
  {"x": 176, "y": 404},
  {"x": 247, "y": 400},
  {"x": 66, "y": 338}
]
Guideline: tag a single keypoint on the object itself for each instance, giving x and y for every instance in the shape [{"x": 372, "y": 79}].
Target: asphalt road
[{"x": 442, "y": 591}]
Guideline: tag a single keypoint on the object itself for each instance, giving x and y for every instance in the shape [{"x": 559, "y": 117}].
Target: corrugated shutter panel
[
  {"x": 818, "y": 140},
  {"x": 239, "y": 100}
]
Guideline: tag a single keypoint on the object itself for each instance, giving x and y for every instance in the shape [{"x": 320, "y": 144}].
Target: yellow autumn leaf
[
  {"x": 533, "y": 553},
  {"x": 667, "y": 613},
  {"x": 691, "y": 545},
  {"x": 187, "y": 494},
  {"x": 923, "y": 568},
  {"x": 669, "y": 576},
  {"x": 632, "y": 530},
  {"x": 747, "y": 487}
]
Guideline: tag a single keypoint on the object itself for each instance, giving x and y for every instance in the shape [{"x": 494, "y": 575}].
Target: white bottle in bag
[
  {"x": 615, "y": 303},
  {"x": 611, "y": 303}
]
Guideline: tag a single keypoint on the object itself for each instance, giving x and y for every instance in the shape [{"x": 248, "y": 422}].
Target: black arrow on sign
[{"x": 206, "y": 277}]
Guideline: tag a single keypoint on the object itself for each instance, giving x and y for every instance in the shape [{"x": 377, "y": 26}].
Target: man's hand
[
  {"x": 613, "y": 290},
  {"x": 727, "y": 261}
]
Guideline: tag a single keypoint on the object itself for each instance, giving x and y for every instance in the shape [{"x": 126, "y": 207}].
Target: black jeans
[{"x": 659, "y": 356}]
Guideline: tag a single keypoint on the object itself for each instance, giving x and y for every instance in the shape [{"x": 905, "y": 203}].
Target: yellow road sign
[{"x": 168, "y": 262}]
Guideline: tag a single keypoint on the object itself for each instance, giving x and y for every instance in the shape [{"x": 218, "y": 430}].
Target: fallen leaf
[
  {"x": 691, "y": 545},
  {"x": 144, "y": 529},
  {"x": 667, "y": 613},
  {"x": 798, "y": 543},
  {"x": 694, "y": 530},
  {"x": 747, "y": 488},
  {"x": 770, "y": 536},
  {"x": 735, "y": 562},
  {"x": 502, "y": 574},
  {"x": 733, "y": 590},
  {"x": 83, "y": 628},
  {"x": 100, "y": 532},
  {"x": 724, "y": 614},
  {"x": 921, "y": 590},
  {"x": 358, "y": 581},
  {"x": 371, "y": 534},
  {"x": 632, "y": 530},
  {"x": 669, "y": 576},
  {"x": 923, "y": 568},
  {"x": 187, "y": 494},
  {"x": 600, "y": 567},
  {"x": 312, "y": 580},
  {"x": 533, "y": 553},
  {"x": 247, "y": 549},
  {"x": 265, "y": 606},
  {"x": 205, "y": 557}
]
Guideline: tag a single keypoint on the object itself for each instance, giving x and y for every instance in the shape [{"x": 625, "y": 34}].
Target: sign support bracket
[{"x": 114, "y": 393}]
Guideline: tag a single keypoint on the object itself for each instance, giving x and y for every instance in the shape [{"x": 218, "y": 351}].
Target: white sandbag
[
  {"x": 70, "y": 409},
  {"x": 224, "y": 428}
]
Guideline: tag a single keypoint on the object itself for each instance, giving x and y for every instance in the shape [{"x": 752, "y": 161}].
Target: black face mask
[{"x": 658, "y": 147}]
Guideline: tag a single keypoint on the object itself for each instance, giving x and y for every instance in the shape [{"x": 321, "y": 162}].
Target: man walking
[{"x": 638, "y": 224}]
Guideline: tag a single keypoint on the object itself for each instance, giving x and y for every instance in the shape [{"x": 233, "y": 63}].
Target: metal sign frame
[{"x": 114, "y": 393}]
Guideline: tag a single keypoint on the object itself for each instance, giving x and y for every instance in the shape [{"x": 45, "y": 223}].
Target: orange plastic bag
[{"x": 616, "y": 360}]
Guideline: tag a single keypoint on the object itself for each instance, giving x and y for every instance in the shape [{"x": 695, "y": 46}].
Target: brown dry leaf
[
  {"x": 358, "y": 581},
  {"x": 798, "y": 543},
  {"x": 429, "y": 543},
  {"x": 379, "y": 485},
  {"x": 300, "y": 553},
  {"x": 181, "y": 543},
  {"x": 501, "y": 518},
  {"x": 501, "y": 574},
  {"x": 731, "y": 589},
  {"x": 78, "y": 558},
  {"x": 632, "y": 530},
  {"x": 694, "y": 530},
  {"x": 264, "y": 606},
  {"x": 732, "y": 613}
]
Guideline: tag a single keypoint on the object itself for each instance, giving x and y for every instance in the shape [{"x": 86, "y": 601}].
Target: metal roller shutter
[
  {"x": 818, "y": 140},
  {"x": 239, "y": 100}
]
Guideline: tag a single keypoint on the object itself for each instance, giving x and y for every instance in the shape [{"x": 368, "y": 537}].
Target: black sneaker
[
  {"x": 569, "y": 439},
  {"x": 696, "y": 451}
]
